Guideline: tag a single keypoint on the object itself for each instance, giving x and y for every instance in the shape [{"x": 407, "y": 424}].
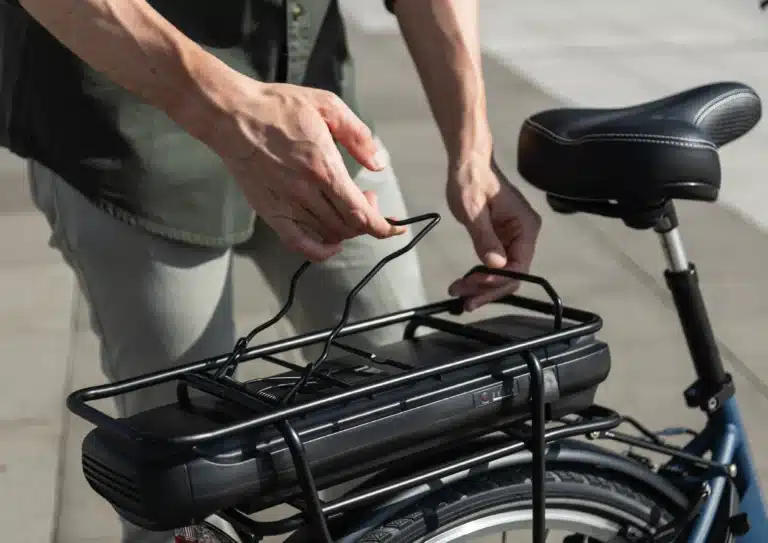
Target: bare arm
[
  {"x": 276, "y": 139},
  {"x": 138, "y": 49},
  {"x": 442, "y": 37}
]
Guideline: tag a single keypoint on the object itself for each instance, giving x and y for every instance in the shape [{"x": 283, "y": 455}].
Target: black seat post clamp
[{"x": 709, "y": 401}]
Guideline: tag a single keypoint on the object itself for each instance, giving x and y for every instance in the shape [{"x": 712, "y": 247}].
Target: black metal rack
[{"x": 215, "y": 376}]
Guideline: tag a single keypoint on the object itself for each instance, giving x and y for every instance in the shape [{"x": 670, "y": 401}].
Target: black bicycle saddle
[{"x": 650, "y": 152}]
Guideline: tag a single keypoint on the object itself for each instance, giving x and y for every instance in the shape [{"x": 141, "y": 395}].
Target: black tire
[{"x": 607, "y": 495}]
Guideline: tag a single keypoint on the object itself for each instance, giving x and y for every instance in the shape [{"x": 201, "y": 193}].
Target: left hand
[{"x": 501, "y": 223}]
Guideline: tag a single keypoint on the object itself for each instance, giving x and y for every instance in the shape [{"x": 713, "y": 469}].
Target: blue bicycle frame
[
  {"x": 725, "y": 437},
  {"x": 724, "y": 434}
]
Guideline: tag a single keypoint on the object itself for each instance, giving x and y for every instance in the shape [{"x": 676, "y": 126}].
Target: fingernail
[
  {"x": 397, "y": 230},
  {"x": 380, "y": 159},
  {"x": 494, "y": 259}
]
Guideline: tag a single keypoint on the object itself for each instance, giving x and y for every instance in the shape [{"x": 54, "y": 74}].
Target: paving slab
[
  {"x": 594, "y": 263},
  {"x": 29, "y": 455},
  {"x": 37, "y": 293}
]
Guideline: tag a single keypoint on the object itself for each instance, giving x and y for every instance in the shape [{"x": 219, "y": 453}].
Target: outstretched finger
[
  {"x": 349, "y": 130},
  {"x": 360, "y": 215},
  {"x": 489, "y": 295},
  {"x": 374, "y": 201},
  {"x": 488, "y": 247},
  {"x": 475, "y": 282}
]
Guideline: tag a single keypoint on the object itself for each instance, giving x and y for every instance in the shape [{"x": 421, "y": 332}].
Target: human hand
[
  {"x": 278, "y": 141},
  {"x": 501, "y": 223}
]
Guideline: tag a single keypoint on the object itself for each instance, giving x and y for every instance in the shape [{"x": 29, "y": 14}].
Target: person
[{"x": 162, "y": 135}]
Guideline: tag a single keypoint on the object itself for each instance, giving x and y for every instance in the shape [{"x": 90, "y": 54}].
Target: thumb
[
  {"x": 487, "y": 244},
  {"x": 349, "y": 130}
]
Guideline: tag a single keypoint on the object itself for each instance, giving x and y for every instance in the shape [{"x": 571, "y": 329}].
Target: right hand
[{"x": 278, "y": 141}]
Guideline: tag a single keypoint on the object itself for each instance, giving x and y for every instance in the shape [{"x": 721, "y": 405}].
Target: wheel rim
[{"x": 566, "y": 521}]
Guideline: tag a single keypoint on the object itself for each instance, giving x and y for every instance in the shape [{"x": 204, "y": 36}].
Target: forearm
[
  {"x": 442, "y": 37},
  {"x": 136, "y": 48}
]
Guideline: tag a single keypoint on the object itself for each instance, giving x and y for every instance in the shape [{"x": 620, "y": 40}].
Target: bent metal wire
[{"x": 215, "y": 376}]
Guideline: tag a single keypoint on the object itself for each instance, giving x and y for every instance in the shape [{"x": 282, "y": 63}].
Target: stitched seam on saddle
[
  {"x": 714, "y": 103},
  {"x": 644, "y": 138},
  {"x": 703, "y": 115},
  {"x": 617, "y": 135}
]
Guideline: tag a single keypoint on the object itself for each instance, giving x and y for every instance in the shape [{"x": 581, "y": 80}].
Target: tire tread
[{"x": 475, "y": 487}]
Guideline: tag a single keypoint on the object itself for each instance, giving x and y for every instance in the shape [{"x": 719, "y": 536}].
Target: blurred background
[{"x": 537, "y": 55}]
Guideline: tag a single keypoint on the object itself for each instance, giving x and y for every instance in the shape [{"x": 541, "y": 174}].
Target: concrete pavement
[
  {"x": 595, "y": 263},
  {"x": 607, "y": 53}
]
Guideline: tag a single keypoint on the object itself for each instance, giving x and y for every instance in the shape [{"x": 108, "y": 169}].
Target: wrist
[
  {"x": 475, "y": 143},
  {"x": 209, "y": 98}
]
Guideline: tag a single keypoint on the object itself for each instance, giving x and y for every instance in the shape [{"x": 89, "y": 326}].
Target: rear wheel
[{"x": 497, "y": 506}]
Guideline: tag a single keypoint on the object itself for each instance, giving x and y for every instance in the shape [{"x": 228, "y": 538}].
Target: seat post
[
  {"x": 672, "y": 244},
  {"x": 713, "y": 385}
]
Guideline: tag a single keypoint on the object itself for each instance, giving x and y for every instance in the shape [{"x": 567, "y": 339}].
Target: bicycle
[{"x": 473, "y": 428}]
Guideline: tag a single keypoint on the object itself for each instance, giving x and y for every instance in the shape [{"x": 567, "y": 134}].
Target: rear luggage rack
[{"x": 279, "y": 403}]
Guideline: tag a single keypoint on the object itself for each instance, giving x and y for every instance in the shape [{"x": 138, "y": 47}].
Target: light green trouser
[{"x": 156, "y": 304}]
